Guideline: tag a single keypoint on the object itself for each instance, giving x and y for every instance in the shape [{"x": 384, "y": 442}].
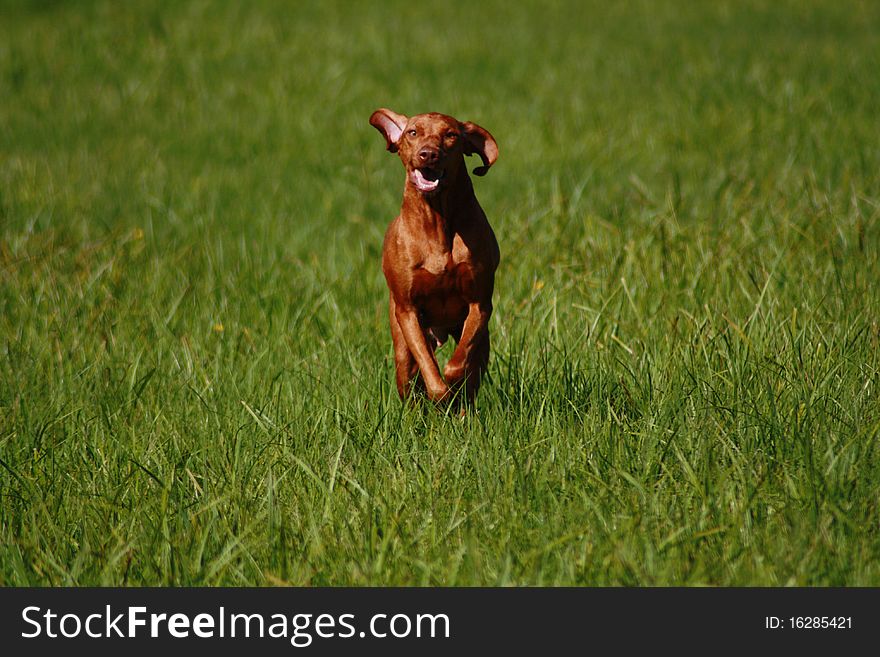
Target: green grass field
[{"x": 196, "y": 382}]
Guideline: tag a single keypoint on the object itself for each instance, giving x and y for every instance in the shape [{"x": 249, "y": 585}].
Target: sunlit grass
[{"x": 196, "y": 383}]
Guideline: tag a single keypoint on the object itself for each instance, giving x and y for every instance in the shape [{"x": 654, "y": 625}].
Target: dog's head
[{"x": 431, "y": 146}]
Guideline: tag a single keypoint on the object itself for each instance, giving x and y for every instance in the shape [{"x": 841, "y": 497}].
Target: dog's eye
[
  {"x": 411, "y": 133},
  {"x": 451, "y": 136}
]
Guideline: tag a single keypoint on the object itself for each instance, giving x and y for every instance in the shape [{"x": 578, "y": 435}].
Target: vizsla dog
[{"x": 439, "y": 255}]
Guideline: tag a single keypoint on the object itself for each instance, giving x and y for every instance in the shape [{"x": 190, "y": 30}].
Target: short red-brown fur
[{"x": 439, "y": 256}]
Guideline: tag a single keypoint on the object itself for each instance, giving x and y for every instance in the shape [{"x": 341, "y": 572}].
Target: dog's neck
[{"x": 437, "y": 213}]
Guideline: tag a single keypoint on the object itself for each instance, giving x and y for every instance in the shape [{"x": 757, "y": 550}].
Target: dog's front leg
[
  {"x": 408, "y": 320},
  {"x": 471, "y": 355}
]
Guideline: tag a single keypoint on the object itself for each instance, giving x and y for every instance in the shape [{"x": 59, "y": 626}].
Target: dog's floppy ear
[
  {"x": 390, "y": 124},
  {"x": 478, "y": 140}
]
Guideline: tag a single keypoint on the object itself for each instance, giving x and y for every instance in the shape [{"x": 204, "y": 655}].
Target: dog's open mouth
[{"x": 426, "y": 179}]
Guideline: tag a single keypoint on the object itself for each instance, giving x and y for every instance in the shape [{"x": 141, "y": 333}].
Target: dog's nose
[{"x": 429, "y": 155}]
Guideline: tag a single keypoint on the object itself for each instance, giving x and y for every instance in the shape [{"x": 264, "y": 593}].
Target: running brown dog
[{"x": 439, "y": 255}]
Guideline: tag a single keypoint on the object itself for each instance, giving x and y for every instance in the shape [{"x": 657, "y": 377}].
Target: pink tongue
[{"x": 422, "y": 183}]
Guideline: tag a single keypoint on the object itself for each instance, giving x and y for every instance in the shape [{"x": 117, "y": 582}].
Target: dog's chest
[
  {"x": 442, "y": 287},
  {"x": 443, "y": 275},
  {"x": 438, "y": 264}
]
